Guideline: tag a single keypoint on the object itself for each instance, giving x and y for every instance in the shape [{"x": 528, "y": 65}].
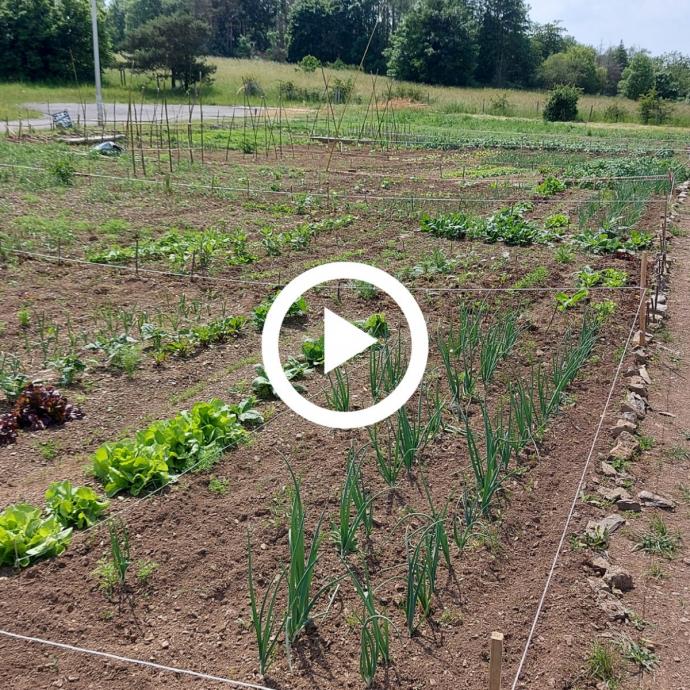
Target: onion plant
[
  {"x": 352, "y": 497},
  {"x": 339, "y": 397},
  {"x": 497, "y": 343},
  {"x": 388, "y": 462},
  {"x": 265, "y": 619}
]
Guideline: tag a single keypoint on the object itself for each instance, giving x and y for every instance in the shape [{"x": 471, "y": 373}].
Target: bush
[
  {"x": 614, "y": 113},
  {"x": 654, "y": 110},
  {"x": 562, "y": 104},
  {"x": 309, "y": 64}
]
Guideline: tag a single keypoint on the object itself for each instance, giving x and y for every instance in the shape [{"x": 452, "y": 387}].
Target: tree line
[{"x": 446, "y": 42}]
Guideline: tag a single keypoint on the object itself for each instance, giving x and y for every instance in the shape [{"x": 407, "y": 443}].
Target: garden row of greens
[{"x": 471, "y": 353}]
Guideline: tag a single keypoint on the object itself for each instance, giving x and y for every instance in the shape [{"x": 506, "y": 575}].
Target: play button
[{"x": 341, "y": 340}]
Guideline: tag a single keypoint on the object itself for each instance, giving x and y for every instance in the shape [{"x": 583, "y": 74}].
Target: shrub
[
  {"x": 614, "y": 113},
  {"x": 562, "y": 104},
  {"x": 63, "y": 170},
  {"x": 654, "y": 110},
  {"x": 309, "y": 63}
]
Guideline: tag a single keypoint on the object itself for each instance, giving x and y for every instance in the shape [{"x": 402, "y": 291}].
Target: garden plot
[{"x": 421, "y": 531}]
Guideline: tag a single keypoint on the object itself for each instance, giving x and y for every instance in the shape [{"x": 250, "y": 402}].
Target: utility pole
[{"x": 97, "y": 64}]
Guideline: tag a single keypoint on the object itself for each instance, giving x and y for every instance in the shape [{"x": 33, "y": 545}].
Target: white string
[
  {"x": 335, "y": 194},
  {"x": 564, "y": 534},
  {"x": 344, "y": 286},
  {"x": 130, "y": 660}
]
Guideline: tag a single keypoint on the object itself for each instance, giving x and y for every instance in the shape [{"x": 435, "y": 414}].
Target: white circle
[{"x": 345, "y": 270}]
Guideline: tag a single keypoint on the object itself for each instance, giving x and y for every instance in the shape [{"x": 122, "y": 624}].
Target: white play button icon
[{"x": 341, "y": 340}]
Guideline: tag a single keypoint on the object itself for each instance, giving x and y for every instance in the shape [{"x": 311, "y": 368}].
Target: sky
[{"x": 657, "y": 25}]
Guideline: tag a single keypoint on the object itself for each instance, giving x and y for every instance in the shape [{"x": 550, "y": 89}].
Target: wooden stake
[
  {"x": 495, "y": 661},
  {"x": 643, "y": 290}
]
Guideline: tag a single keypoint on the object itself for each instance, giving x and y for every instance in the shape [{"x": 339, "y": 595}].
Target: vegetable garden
[{"x": 160, "y": 504}]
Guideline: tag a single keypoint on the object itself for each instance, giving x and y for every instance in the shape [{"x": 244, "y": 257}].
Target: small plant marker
[{"x": 495, "y": 661}]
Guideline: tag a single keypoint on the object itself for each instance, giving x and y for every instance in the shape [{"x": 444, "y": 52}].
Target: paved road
[{"x": 117, "y": 112}]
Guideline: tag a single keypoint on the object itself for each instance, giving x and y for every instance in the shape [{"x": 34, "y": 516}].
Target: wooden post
[
  {"x": 643, "y": 292},
  {"x": 495, "y": 661}
]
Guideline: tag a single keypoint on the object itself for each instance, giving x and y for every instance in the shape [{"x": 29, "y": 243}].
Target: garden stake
[
  {"x": 643, "y": 290},
  {"x": 496, "y": 660}
]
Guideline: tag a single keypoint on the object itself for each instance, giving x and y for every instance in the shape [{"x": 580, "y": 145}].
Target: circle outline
[{"x": 270, "y": 346}]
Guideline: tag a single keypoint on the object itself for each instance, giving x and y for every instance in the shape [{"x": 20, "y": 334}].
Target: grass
[
  {"x": 602, "y": 665},
  {"x": 473, "y": 104},
  {"x": 658, "y": 539}
]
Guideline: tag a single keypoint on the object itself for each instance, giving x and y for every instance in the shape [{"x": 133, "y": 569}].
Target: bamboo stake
[{"x": 643, "y": 291}]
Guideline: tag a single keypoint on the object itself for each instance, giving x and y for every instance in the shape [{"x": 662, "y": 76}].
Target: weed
[
  {"x": 602, "y": 665},
  {"x": 658, "y": 539},
  {"x": 677, "y": 453},
  {"x": 564, "y": 255},
  {"x": 647, "y": 442},
  {"x": 637, "y": 653},
  {"x": 145, "y": 570},
  {"x": 48, "y": 450},
  {"x": 219, "y": 485}
]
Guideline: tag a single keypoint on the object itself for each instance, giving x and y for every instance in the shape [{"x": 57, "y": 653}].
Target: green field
[{"x": 307, "y": 89}]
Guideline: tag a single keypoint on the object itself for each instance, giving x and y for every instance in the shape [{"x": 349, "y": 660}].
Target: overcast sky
[{"x": 657, "y": 25}]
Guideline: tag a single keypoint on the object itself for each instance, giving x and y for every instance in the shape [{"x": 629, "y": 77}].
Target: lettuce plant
[
  {"x": 78, "y": 507},
  {"x": 27, "y": 535}
]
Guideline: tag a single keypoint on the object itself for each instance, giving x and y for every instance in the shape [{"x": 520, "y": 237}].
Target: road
[{"x": 118, "y": 112}]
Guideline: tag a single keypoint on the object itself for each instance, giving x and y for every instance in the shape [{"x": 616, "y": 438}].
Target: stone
[
  {"x": 599, "y": 564},
  {"x": 613, "y": 608},
  {"x": 635, "y": 405},
  {"x": 609, "y": 524},
  {"x": 636, "y": 341},
  {"x": 618, "y": 578},
  {"x": 644, "y": 375},
  {"x": 628, "y": 504},
  {"x": 608, "y": 470},
  {"x": 637, "y": 385},
  {"x": 623, "y": 425},
  {"x": 629, "y": 417},
  {"x": 641, "y": 356},
  {"x": 626, "y": 448},
  {"x": 615, "y": 494},
  {"x": 651, "y": 500}
]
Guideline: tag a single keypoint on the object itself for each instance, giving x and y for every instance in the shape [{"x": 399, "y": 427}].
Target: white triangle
[{"x": 341, "y": 340}]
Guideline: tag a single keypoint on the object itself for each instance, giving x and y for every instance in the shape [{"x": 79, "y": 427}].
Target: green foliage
[
  {"x": 294, "y": 371},
  {"x": 313, "y": 350},
  {"x": 69, "y": 367},
  {"x": 375, "y": 325},
  {"x": 658, "y": 539},
  {"x": 451, "y": 226},
  {"x": 12, "y": 379},
  {"x": 62, "y": 169},
  {"x": 339, "y": 396},
  {"x": 556, "y": 220},
  {"x": 638, "y": 77},
  {"x": 602, "y": 665},
  {"x": 246, "y": 412},
  {"x": 654, "y": 110},
  {"x": 608, "y": 277},
  {"x": 550, "y": 187},
  {"x": 309, "y": 64},
  {"x": 562, "y": 104},
  {"x": 434, "y": 44},
  {"x": 173, "y": 42},
  {"x": 577, "y": 66},
  {"x": 193, "y": 439},
  {"x": 42, "y": 40},
  {"x": 26, "y": 535},
  {"x": 566, "y": 301},
  {"x": 78, "y": 507},
  {"x": 259, "y": 314}
]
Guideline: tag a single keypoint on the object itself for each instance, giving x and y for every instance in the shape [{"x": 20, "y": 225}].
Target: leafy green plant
[
  {"x": 564, "y": 255},
  {"x": 69, "y": 367},
  {"x": 313, "y": 351},
  {"x": 218, "y": 485},
  {"x": 78, "y": 507},
  {"x": 602, "y": 665},
  {"x": 259, "y": 314},
  {"x": 262, "y": 387},
  {"x": 246, "y": 412},
  {"x": 566, "y": 301},
  {"x": 550, "y": 186},
  {"x": 26, "y": 535},
  {"x": 12, "y": 379},
  {"x": 451, "y": 226},
  {"x": 375, "y": 325},
  {"x": 556, "y": 220}
]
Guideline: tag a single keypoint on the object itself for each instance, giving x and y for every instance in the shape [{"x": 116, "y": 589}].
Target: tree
[
  {"x": 434, "y": 44},
  {"x": 138, "y": 12},
  {"x": 677, "y": 66},
  {"x": 173, "y": 43},
  {"x": 337, "y": 30},
  {"x": 638, "y": 77},
  {"x": 549, "y": 39},
  {"x": 562, "y": 104},
  {"x": 654, "y": 109},
  {"x": 239, "y": 25},
  {"x": 614, "y": 61},
  {"x": 577, "y": 66},
  {"x": 49, "y": 39},
  {"x": 116, "y": 16},
  {"x": 505, "y": 54}
]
